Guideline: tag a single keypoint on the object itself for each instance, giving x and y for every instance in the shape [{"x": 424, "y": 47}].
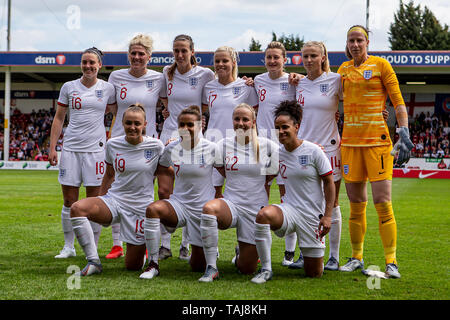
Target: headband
[{"x": 358, "y": 29}]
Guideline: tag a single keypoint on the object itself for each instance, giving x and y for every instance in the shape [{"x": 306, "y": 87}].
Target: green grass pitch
[{"x": 31, "y": 235}]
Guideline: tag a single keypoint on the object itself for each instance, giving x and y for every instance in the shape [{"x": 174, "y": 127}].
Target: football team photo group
[{"x": 225, "y": 143}]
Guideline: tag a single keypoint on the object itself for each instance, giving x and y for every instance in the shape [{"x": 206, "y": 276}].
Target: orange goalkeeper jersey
[{"x": 365, "y": 90}]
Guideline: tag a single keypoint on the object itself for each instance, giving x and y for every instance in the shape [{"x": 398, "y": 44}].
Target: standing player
[
  {"x": 193, "y": 158},
  {"x": 273, "y": 87},
  {"x": 137, "y": 84},
  {"x": 220, "y": 96},
  {"x": 318, "y": 94},
  {"x": 184, "y": 82},
  {"x": 127, "y": 189},
  {"x": 85, "y": 101},
  {"x": 309, "y": 198},
  {"x": 248, "y": 161},
  {"x": 366, "y": 145}
]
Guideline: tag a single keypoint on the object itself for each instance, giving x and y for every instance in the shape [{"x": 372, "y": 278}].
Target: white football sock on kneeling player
[
  {"x": 335, "y": 232},
  {"x": 85, "y": 236},
  {"x": 263, "y": 240},
  {"x": 69, "y": 236},
  {"x": 210, "y": 238},
  {"x": 152, "y": 233}
]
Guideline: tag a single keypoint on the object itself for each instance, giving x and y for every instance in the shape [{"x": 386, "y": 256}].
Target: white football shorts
[
  {"x": 189, "y": 219},
  {"x": 131, "y": 223},
  {"x": 306, "y": 226},
  {"x": 243, "y": 220},
  {"x": 335, "y": 160},
  {"x": 76, "y": 168}
]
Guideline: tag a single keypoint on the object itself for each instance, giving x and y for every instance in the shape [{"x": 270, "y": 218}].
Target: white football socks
[
  {"x": 165, "y": 237},
  {"x": 184, "y": 238},
  {"x": 115, "y": 230},
  {"x": 85, "y": 236},
  {"x": 335, "y": 232},
  {"x": 210, "y": 238},
  {"x": 69, "y": 236},
  {"x": 263, "y": 240},
  {"x": 152, "y": 233},
  {"x": 97, "y": 230},
  {"x": 290, "y": 242}
]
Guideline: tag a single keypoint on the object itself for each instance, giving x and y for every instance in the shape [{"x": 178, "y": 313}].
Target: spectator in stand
[
  {"x": 419, "y": 149},
  {"x": 440, "y": 152},
  {"x": 434, "y": 152},
  {"x": 442, "y": 165}
]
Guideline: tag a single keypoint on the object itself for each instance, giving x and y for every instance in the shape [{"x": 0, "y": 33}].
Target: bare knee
[
  {"x": 211, "y": 207},
  {"x": 263, "y": 216},
  {"x": 153, "y": 210},
  {"x": 77, "y": 209},
  {"x": 134, "y": 265},
  {"x": 313, "y": 267},
  {"x": 197, "y": 260},
  {"x": 247, "y": 268}
]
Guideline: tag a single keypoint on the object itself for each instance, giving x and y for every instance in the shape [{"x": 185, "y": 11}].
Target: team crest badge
[
  {"x": 346, "y": 169},
  {"x": 99, "y": 94},
  {"x": 148, "y": 154},
  {"x": 324, "y": 87},
  {"x": 303, "y": 160},
  {"x": 236, "y": 90},
  {"x": 367, "y": 74},
  {"x": 149, "y": 84},
  {"x": 193, "y": 81},
  {"x": 284, "y": 86}
]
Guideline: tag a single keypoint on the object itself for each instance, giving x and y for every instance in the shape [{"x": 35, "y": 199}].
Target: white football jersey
[
  {"x": 271, "y": 93},
  {"x": 131, "y": 90},
  {"x": 320, "y": 101},
  {"x": 193, "y": 172},
  {"x": 221, "y": 101},
  {"x": 301, "y": 171},
  {"x": 86, "y": 110},
  {"x": 245, "y": 177},
  {"x": 182, "y": 91},
  {"x": 134, "y": 167}
]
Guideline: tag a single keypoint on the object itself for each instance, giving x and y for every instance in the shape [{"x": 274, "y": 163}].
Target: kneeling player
[
  {"x": 307, "y": 206},
  {"x": 248, "y": 161},
  {"x": 192, "y": 158},
  {"x": 127, "y": 189}
]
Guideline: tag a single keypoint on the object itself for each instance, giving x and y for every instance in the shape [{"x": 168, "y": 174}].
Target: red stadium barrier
[{"x": 421, "y": 174}]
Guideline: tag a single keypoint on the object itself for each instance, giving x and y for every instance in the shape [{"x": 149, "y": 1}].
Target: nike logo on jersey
[{"x": 426, "y": 175}]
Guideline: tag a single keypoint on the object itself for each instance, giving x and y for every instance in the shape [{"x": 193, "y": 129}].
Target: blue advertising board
[{"x": 246, "y": 59}]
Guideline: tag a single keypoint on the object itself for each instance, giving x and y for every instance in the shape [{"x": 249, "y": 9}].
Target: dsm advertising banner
[{"x": 246, "y": 59}]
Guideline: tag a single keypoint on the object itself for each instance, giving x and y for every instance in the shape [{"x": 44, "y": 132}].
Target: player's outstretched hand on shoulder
[{"x": 294, "y": 78}]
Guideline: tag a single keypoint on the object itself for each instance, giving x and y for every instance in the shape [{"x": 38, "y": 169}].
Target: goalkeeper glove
[{"x": 403, "y": 146}]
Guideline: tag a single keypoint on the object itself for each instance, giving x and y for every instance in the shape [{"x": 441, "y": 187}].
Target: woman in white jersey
[
  {"x": 184, "y": 82},
  {"x": 273, "y": 87},
  {"x": 85, "y": 100},
  {"x": 309, "y": 198},
  {"x": 136, "y": 84},
  {"x": 318, "y": 94},
  {"x": 126, "y": 191},
  {"x": 192, "y": 158},
  {"x": 220, "y": 96},
  {"x": 248, "y": 162}
]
